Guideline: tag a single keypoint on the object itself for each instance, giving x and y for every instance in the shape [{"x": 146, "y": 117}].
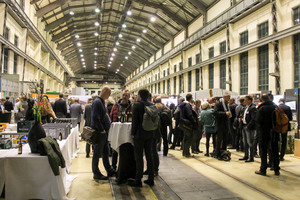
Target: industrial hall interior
[{"x": 149, "y": 99}]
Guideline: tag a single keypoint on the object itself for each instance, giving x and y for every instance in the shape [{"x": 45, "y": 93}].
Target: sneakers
[
  {"x": 260, "y": 173},
  {"x": 100, "y": 177},
  {"x": 149, "y": 182}
]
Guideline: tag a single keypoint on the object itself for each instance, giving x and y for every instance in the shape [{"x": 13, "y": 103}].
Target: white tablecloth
[
  {"x": 29, "y": 176},
  {"x": 119, "y": 133}
]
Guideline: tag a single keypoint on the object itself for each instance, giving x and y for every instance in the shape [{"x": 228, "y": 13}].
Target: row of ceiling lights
[
  {"x": 96, "y": 82},
  {"x": 97, "y": 10}
]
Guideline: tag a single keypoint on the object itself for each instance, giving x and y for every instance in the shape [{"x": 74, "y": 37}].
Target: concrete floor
[{"x": 198, "y": 177}]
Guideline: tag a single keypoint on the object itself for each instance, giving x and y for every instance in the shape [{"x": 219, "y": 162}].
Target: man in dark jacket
[
  {"x": 265, "y": 118},
  {"x": 87, "y": 118},
  {"x": 142, "y": 140},
  {"x": 101, "y": 123},
  {"x": 287, "y": 110},
  {"x": 239, "y": 111},
  {"x": 189, "y": 120},
  {"x": 165, "y": 121},
  {"x": 122, "y": 106},
  {"x": 249, "y": 129},
  {"x": 8, "y": 105},
  {"x": 177, "y": 131},
  {"x": 232, "y": 131},
  {"x": 60, "y": 107},
  {"x": 222, "y": 114}
]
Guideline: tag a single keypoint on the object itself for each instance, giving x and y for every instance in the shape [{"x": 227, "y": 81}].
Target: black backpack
[{"x": 166, "y": 116}]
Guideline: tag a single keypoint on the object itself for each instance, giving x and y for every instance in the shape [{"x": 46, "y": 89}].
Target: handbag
[{"x": 90, "y": 135}]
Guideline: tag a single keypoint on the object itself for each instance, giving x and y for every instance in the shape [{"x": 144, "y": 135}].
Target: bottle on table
[
  {"x": 20, "y": 147},
  {"x": 60, "y": 135}
]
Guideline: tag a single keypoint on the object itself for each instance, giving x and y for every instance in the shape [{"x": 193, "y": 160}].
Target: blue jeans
[
  {"x": 101, "y": 149},
  {"x": 248, "y": 137}
]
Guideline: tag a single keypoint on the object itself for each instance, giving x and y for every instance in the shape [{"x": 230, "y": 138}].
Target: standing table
[{"x": 121, "y": 141}]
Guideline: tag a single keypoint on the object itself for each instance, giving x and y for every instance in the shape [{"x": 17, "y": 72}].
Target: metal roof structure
[{"x": 114, "y": 37}]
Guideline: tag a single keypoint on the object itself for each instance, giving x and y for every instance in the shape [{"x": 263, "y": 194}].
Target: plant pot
[{"x": 36, "y": 132}]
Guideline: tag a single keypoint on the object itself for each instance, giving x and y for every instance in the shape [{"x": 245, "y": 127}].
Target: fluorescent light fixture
[
  {"x": 138, "y": 40},
  {"x": 144, "y": 31},
  {"x": 124, "y": 25},
  {"x": 83, "y": 63},
  {"x": 96, "y": 48},
  {"x": 81, "y": 55},
  {"x": 97, "y": 24},
  {"x": 80, "y": 50},
  {"x": 96, "y": 34},
  {"x": 129, "y": 12},
  {"x": 113, "y": 54},
  {"x": 117, "y": 70},
  {"x": 152, "y": 19},
  {"x": 82, "y": 59},
  {"x": 133, "y": 47},
  {"x": 95, "y": 67},
  {"x": 84, "y": 66},
  {"x": 115, "y": 49},
  {"x": 121, "y": 65},
  {"x": 126, "y": 57},
  {"x": 79, "y": 44},
  {"x": 120, "y": 35},
  {"x": 129, "y": 52},
  {"x": 76, "y": 36},
  {"x": 95, "y": 53},
  {"x": 109, "y": 62},
  {"x": 111, "y": 58},
  {"x": 71, "y": 13},
  {"x": 95, "y": 61},
  {"x": 117, "y": 43},
  {"x": 97, "y": 10}
]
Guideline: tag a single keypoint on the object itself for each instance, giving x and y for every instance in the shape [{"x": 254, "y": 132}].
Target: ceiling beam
[
  {"x": 72, "y": 23},
  {"x": 152, "y": 39},
  {"x": 61, "y": 36},
  {"x": 183, "y": 9},
  {"x": 34, "y": 1},
  {"x": 66, "y": 9},
  {"x": 200, "y": 6},
  {"x": 65, "y": 19},
  {"x": 52, "y": 6},
  {"x": 166, "y": 11}
]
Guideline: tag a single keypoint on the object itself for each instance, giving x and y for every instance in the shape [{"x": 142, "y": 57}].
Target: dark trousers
[
  {"x": 248, "y": 136},
  {"x": 187, "y": 142},
  {"x": 126, "y": 167},
  {"x": 177, "y": 135},
  {"x": 87, "y": 149},
  {"x": 221, "y": 144},
  {"x": 170, "y": 135},
  {"x": 269, "y": 138},
  {"x": 101, "y": 150},
  {"x": 233, "y": 135},
  {"x": 283, "y": 144},
  {"x": 114, "y": 159},
  {"x": 155, "y": 155},
  {"x": 239, "y": 139},
  {"x": 164, "y": 135},
  {"x": 255, "y": 144},
  {"x": 141, "y": 144},
  {"x": 208, "y": 135},
  {"x": 197, "y": 135}
]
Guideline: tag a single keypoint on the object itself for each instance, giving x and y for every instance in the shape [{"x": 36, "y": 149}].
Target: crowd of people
[{"x": 245, "y": 127}]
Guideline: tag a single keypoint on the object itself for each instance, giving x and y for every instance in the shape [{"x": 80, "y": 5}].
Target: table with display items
[
  {"x": 29, "y": 176},
  {"x": 121, "y": 141}
]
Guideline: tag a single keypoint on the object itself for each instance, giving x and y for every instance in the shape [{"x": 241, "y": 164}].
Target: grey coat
[{"x": 76, "y": 111}]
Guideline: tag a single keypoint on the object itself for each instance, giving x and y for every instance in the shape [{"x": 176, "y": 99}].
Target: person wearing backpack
[
  {"x": 187, "y": 124},
  {"x": 144, "y": 124},
  {"x": 265, "y": 118},
  {"x": 287, "y": 110},
  {"x": 177, "y": 130},
  {"x": 165, "y": 121}
]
